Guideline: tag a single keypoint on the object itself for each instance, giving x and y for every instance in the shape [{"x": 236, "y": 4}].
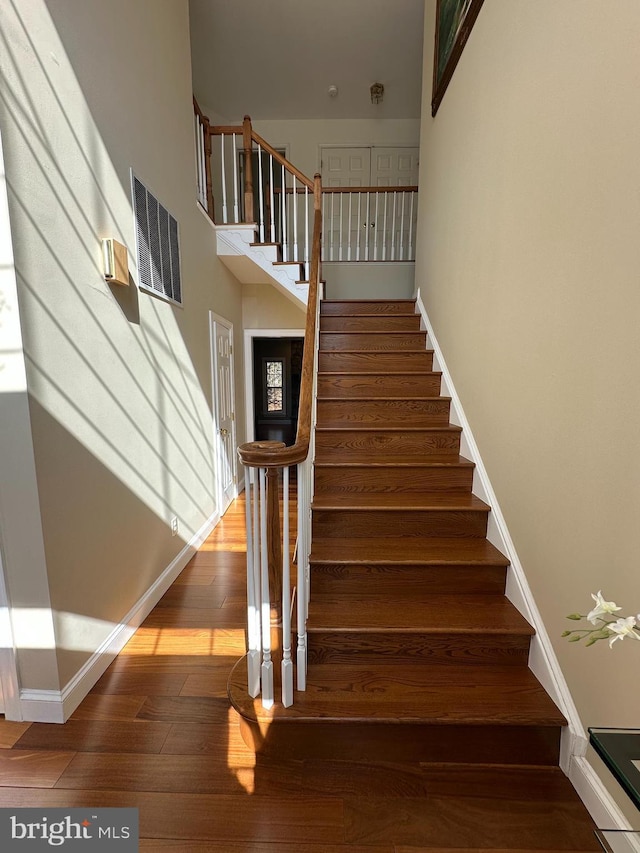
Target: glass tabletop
[
  {"x": 619, "y": 840},
  {"x": 620, "y": 751}
]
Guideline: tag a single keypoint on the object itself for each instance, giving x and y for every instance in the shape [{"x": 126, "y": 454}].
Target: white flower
[
  {"x": 623, "y": 628},
  {"x": 601, "y": 607}
]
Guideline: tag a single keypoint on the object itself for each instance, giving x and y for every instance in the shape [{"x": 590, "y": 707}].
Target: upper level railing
[
  {"x": 253, "y": 182},
  {"x": 369, "y": 223}
]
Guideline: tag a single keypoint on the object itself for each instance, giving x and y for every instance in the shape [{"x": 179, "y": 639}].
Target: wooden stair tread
[
  {"x": 406, "y": 550},
  {"x": 370, "y": 352},
  {"x": 383, "y": 398},
  {"x": 378, "y": 428},
  {"x": 357, "y": 373},
  {"x": 431, "y": 695},
  {"x": 400, "y": 501},
  {"x": 403, "y": 462},
  {"x": 430, "y": 614}
]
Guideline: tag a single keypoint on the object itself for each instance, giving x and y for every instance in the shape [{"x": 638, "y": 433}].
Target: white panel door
[
  {"x": 394, "y": 167},
  {"x": 343, "y": 167},
  {"x": 362, "y": 226},
  {"x": 224, "y": 410}
]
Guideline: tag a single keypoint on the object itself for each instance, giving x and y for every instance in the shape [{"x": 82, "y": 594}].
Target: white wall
[
  {"x": 528, "y": 261},
  {"x": 119, "y": 381}
]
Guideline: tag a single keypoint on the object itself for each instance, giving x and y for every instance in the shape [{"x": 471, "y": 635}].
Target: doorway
[
  {"x": 277, "y": 371},
  {"x": 224, "y": 432}
]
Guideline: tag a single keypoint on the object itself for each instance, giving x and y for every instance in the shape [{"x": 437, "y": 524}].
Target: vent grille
[{"x": 158, "y": 245}]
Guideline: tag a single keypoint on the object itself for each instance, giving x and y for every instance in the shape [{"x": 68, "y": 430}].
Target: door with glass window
[{"x": 277, "y": 368}]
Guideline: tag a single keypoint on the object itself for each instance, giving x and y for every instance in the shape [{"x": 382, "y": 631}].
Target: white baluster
[
  {"x": 287, "y": 663},
  {"x": 393, "y": 229},
  {"x": 224, "y": 181},
  {"x": 236, "y": 205},
  {"x": 306, "y": 230},
  {"x": 375, "y": 234},
  {"x": 384, "y": 229},
  {"x": 260, "y": 195},
  {"x": 203, "y": 168},
  {"x": 349, "y": 228},
  {"x": 367, "y": 226},
  {"x": 301, "y": 597},
  {"x": 401, "y": 252},
  {"x": 359, "y": 227},
  {"x": 285, "y": 241},
  {"x": 198, "y": 156},
  {"x": 272, "y": 220},
  {"x": 253, "y": 605},
  {"x": 340, "y": 233},
  {"x": 267, "y": 663},
  {"x": 410, "y": 252},
  {"x": 296, "y": 256},
  {"x": 331, "y": 228}
]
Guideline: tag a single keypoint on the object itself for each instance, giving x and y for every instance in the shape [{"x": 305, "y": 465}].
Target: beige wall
[
  {"x": 119, "y": 381},
  {"x": 263, "y": 307},
  {"x": 303, "y": 139},
  {"x": 529, "y": 263}
]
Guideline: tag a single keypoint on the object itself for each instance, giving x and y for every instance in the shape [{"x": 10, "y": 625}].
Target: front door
[{"x": 224, "y": 410}]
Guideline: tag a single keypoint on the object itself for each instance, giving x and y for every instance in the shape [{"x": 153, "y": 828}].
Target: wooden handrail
[
  {"x": 282, "y": 160},
  {"x": 258, "y": 454},
  {"x": 219, "y": 129},
  {"x": 413, "y": 189},
  {"x": 197, "y": 109}
]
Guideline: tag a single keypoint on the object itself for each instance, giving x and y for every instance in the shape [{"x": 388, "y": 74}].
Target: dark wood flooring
[{"x": 157, "y": 733}]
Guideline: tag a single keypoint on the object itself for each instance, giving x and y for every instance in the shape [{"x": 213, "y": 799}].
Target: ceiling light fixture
[
  {"x": 377, "y": 93},
  {"x": 332, "y": 91}
]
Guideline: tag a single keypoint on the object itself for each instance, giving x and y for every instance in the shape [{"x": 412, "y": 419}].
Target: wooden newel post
[
  {"x": 274, "y": 546},
  {"x": 248, "y": 170}
]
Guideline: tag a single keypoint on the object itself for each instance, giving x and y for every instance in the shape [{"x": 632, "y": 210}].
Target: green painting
[{"x": 454, "y": 20}]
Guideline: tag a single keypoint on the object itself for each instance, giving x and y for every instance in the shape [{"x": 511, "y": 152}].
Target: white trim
[
  {"x": 542, "y": 659},
  {"x": 56, "y": 706},
  {"x": 249, "y": 335},
  {"x": 598, "y": 801}
]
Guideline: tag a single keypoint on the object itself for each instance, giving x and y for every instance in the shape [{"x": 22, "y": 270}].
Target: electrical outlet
[{"x": 174, "y": 525}]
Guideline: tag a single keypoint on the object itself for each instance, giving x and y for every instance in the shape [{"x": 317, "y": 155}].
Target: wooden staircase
[{"x": 415, "y": 653}]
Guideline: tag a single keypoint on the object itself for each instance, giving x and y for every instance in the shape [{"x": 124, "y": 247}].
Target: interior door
[
  {"x": 224, "y": 410},
  {"x": 352, "y": 220},
  {"x": 395, "y": 167}
]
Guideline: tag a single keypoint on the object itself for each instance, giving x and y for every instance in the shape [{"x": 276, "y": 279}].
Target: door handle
[{"x": 224, "y": 431}]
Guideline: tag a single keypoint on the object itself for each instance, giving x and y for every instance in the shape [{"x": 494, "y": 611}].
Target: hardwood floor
[{"x": 157, "y": 733}]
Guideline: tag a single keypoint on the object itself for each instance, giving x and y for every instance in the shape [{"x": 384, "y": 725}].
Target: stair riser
[
  {"x": 331, "y": 445},
  {"x": 374, "y": 362},
  {"x": 340, "y": 481},
  {"x": 346, "y": 308},
  {"x": 365, "y": 523},
  {"x": 388, "y": 413},
  {"x": 362, "y": 580},
  {"x": 356, "y": 741},
  {"x": 377, "y": 341},
  {"x": 380, "y": 385},
  {"x": 390, "y": 323},
  {"x": 411, "y": 647}
]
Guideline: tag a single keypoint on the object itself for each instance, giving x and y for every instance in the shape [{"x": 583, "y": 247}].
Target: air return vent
[{"x": 158, "y": 245}]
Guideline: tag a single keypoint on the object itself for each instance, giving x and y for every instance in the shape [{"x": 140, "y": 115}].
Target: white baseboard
[
  {"x": 542, "y": 659},
  {"x": 56, "y": 706},
  {"x": 598, "y": 801}
]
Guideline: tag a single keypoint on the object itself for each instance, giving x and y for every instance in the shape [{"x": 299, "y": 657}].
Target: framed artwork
[{"x": 454, "y": 21}]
